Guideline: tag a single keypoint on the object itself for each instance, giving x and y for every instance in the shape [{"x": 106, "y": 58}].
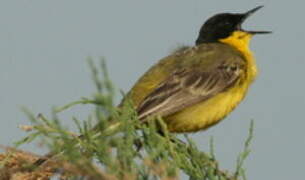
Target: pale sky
[{"x": 44, "y": 46}]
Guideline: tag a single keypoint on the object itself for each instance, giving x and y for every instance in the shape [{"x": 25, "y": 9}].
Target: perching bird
[{"x": 196, "y": 87}]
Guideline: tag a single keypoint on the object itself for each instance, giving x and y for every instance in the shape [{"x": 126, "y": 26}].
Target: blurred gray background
[{"x": 44, "y": 46}]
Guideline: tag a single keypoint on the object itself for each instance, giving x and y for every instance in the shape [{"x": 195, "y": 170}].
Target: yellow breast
[{"x": 207, "y": 113}]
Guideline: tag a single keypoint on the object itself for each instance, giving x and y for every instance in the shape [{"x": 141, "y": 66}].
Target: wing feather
[{"x": 188, "y": 87}]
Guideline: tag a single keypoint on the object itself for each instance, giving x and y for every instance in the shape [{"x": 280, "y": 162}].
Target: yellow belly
[{"x": 205, "y": 114}]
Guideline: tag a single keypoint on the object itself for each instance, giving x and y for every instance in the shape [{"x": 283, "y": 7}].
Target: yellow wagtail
[{"x": 196, "y": 87}]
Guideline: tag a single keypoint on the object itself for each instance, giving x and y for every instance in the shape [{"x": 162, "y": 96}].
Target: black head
[{"x": 223, "y": 25}]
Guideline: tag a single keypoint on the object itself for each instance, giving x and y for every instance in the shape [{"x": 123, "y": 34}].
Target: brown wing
[{"x": 187, "y": 87}]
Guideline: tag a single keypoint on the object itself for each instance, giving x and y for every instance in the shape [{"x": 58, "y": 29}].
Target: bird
[{"x": 196, "y": 87}]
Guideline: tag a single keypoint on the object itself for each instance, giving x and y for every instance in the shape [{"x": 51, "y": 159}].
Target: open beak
[{"x": 248, "y": 14}]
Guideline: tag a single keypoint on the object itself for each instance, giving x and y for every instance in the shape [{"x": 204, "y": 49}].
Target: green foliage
[{"x": 122, "y": 147}]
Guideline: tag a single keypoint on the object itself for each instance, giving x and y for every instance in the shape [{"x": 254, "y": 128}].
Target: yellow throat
[{"x": 241, "y": 40}]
